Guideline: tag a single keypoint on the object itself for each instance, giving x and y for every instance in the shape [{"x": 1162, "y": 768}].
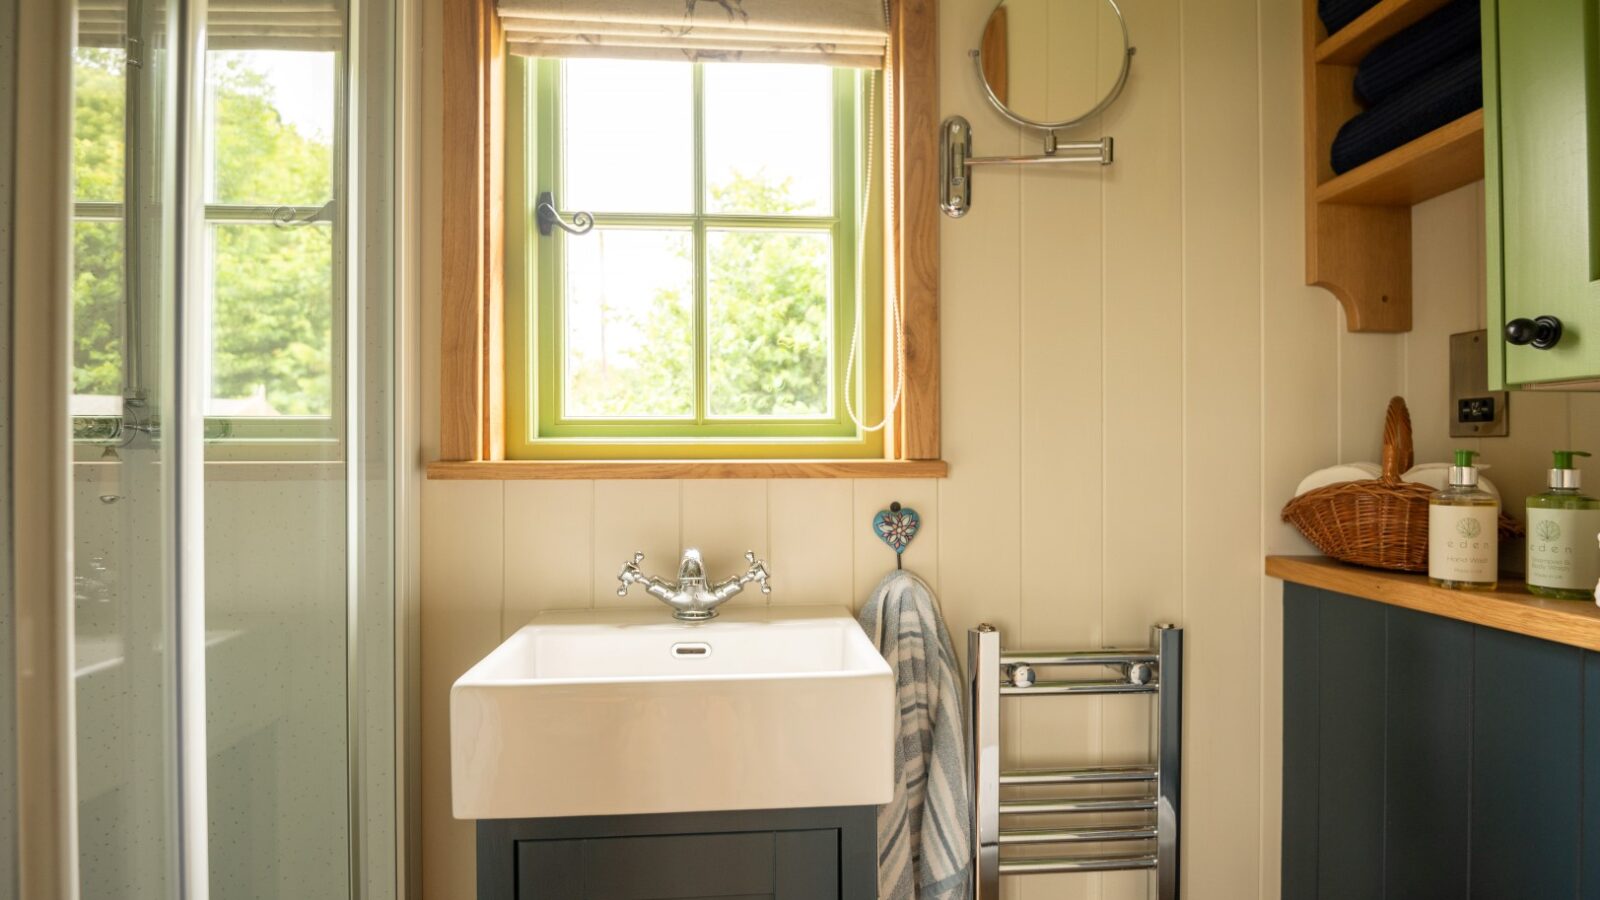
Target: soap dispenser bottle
[
  {"x": 1464, "y": 531},
  {"x": 1563, "y": 561}
]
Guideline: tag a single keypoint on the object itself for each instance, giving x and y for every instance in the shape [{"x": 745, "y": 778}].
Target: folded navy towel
[
  {"x": 1336, "y": 14},
  {"x": 1437, "y": 39},
  {"x": 1437, "y": 98}
]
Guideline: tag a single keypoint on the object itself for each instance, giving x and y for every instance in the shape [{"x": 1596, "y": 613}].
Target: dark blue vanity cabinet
[
  {"x": 1425, "y": 757},
  {"x": 786, "y": 854}
]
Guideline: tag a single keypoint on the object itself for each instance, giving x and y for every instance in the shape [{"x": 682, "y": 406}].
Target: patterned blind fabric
[
  {"x": 230, "y": 24},
  {"x": 850, "y": 33}
]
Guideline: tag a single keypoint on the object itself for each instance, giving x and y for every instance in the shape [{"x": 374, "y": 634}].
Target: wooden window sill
[{"x": 530, "y": 470}]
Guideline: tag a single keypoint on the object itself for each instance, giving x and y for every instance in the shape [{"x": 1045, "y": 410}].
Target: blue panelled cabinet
[
  {"x": 1425, "y": 757},
  {"x": 776, "y": 854}
]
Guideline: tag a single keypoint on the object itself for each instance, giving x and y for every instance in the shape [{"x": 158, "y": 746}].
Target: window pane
[
  {"x": 629, "y": 323},
  {"x": 628, "y": 136},
  {"x": 769, "y": 323},
  {"x": 99, "y": 101},
  {"x": 97, "y": 318},
  {"x": 769, "y": 139},
  {"x": 271, "y": 140},
  {"x": 271, "y": 320}
]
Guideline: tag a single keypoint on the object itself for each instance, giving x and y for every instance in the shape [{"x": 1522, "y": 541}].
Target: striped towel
[{"x": 924, "y": 833}]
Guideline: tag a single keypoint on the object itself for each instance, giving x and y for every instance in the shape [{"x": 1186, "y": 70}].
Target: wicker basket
[{"x": 1381, "y": 523}]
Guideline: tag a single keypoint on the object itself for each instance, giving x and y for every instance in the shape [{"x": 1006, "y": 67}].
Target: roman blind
[
  {"x": 830, "y": 32},
  {"x": 231, "y": 24}
]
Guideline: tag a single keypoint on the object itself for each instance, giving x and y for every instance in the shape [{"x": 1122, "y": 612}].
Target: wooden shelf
[
  {"x": 1436, "y": 163},
  {"x": 1349, "y": 44},
  {"x": 1358, "y": 224},
  {"x": 1511, "y": 608},
  {"x": 540, "y": 470}
]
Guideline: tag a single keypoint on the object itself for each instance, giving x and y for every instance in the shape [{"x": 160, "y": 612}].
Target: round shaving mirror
[{"x": 1051, "y": 64}]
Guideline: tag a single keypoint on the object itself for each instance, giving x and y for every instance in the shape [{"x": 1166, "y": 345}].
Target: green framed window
[{"x": 709, "y": 311}]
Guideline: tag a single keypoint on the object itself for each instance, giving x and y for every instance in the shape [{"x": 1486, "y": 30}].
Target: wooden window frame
[{"x": 472, "y": 359}]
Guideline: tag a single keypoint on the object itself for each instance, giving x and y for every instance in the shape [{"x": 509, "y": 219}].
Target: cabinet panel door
[
  {"x": 647, "y": 868},
  {"x": 1591, "y": 776},
  {"x": 807, "y": 865},
  {"x": 784, "y": 865},
  {"x": 1351, "y": 748},
  {"x": 1302, "y": 739},
  {"x": 1527, "y": 710},
  {"x": 1542, "y": 92},
  {"x": 1429, "y": 721}
]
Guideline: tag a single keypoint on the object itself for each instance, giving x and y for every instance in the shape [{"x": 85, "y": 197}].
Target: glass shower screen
[{"x": 233, "y": 478}]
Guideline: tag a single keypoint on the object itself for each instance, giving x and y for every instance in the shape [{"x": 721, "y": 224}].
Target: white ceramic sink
[{"x": 608, "y": 712}]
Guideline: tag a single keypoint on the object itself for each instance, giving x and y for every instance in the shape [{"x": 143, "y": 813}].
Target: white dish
[{"x": 1340, "y": 474}]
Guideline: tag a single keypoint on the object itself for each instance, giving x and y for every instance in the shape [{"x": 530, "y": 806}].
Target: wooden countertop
[{"x": 1511, "y": 608}]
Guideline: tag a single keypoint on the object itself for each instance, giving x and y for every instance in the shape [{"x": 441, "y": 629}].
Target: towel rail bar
[
  {"x": 1157, "y": 671},
  {"x": 1079, "y": 687},
  {"x": 1070, "y": 807},
  {"x": 1091, "y": 835},
  {"x": 1074, "y": 864},
  {"x": 1079, "y": 657},
  {"x": 1082, "y": 775}
]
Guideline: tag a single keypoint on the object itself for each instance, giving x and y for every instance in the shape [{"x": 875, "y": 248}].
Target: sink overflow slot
[{"x": 691, "y": 649}]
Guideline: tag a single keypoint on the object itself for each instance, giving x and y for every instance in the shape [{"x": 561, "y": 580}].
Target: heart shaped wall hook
[{"x": 896, "y": 526}]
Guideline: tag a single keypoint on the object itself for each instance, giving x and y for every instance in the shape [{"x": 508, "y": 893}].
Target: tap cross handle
[
  {"x": 629, "y": 574},
  {"x": 758, "y": 571}
]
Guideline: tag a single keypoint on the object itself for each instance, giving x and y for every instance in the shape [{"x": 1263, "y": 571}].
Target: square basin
[{"x": 617, "y": 712}]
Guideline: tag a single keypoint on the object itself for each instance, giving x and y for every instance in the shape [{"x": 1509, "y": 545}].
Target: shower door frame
[
  {"x": 381, "y": 474},
  {"x": 39, "y": 474}
]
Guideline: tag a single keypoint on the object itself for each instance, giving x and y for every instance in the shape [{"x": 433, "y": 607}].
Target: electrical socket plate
[{"x": 1475, "y": 411}]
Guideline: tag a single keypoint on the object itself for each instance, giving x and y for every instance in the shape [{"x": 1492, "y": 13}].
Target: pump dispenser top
[
  {"x": 1464, "y": 473},
  {"x": 1564, "y": 477}
]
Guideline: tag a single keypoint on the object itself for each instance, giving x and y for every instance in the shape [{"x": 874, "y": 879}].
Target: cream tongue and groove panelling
[{"x": 1135, "y": 381}]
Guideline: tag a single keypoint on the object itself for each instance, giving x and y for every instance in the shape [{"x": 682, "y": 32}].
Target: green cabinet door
[{"x": 1542, "y": 105}]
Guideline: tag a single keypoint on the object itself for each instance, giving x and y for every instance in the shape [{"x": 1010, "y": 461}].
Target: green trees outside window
[
  {"x": 271, "y": 287},
  {"x": 709, "y": 311},
  {"x": 98, "y": 149}
]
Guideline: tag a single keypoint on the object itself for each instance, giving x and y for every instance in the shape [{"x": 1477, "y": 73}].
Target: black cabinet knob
[{"x": 1543, "y": 332}]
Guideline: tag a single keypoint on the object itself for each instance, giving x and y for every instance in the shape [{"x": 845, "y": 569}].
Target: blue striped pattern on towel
[{"x": 924, "y": 833}]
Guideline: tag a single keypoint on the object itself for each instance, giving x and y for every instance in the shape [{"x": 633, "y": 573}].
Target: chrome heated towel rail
[{"x": 1152, "y": 790}]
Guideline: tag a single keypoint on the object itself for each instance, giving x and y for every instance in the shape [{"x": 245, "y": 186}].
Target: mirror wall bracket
[{"x": 956, "y": 161}]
